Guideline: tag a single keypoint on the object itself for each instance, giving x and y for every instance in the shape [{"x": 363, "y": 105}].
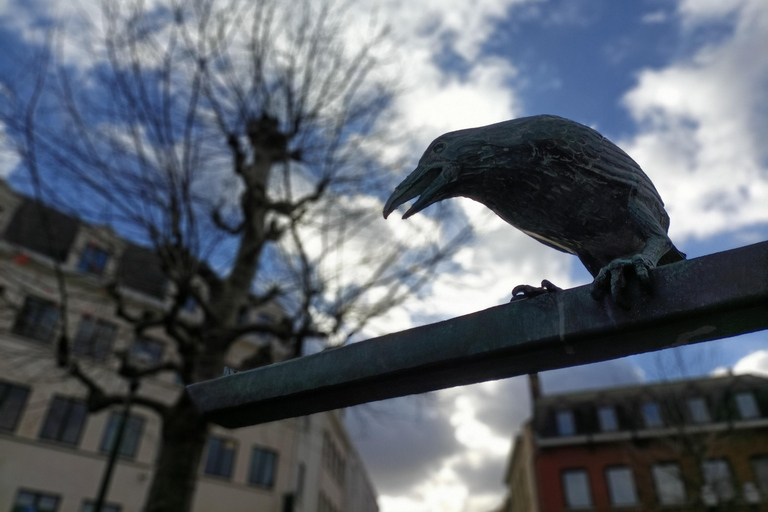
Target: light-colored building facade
[{"x": 53, "y": 453}]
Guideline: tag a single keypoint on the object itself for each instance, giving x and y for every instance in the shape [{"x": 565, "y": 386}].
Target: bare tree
[
  {"x": 692, "y": 438},
  {"x": 241, "y": 140}
]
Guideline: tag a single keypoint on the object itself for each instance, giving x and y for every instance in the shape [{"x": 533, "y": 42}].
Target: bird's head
[{"x": 438, "y": 175}]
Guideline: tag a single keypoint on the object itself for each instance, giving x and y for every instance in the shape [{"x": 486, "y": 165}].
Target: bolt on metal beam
[{"x": 707, "y": 298}]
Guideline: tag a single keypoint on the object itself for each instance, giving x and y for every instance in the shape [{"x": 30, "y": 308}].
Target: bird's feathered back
[{"x": 558, "y": 139}]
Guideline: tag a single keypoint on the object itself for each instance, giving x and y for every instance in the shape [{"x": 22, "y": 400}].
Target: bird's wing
[
  {"x": 615, "y": 164},
  {"x": 581, "y": 147}
]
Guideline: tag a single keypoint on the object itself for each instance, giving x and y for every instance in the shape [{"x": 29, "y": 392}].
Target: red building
[{"x": 676, "y": 446}]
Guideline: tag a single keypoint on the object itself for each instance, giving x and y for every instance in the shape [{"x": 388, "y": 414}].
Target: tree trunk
[{"x": 184, "y": 436}]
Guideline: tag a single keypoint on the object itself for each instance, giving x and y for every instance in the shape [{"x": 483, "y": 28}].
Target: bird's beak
[{"x": 425, "y": 182}]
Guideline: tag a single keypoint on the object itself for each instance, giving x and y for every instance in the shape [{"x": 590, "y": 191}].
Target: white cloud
[
  {"x": 605, "y": 374},
  {"x": 701, "y": 120},
  {"x": 755, "y": 363},
  {"x": 443, "y": 452},
  {"x": 698, "y": 11},
  {"x": 655, "y": 17},
  {"x": 443, "y": 103},
  {"x": 8, "y": 157}
]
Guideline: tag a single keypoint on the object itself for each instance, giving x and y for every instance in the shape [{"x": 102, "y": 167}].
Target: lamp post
[{"x": 106, "y": 477}]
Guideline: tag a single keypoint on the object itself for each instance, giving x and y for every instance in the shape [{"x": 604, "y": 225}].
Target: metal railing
[{"x": 707, "y": 298}]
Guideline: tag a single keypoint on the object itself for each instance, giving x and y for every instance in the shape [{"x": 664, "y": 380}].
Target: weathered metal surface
[{"x": 707, "y": 298}]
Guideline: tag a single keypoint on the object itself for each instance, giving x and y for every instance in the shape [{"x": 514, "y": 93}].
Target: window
[
  {"x": 263, "y": 464},
  {"x": 717, "y": 476},
  {"x": 621, "y": 487},
  {"x": 30, "y": 501},
  {"x": 37, "y": 320},
  {"x": 747, "y": 405},
  {"x": 697, "y": 408},
  {"x": 12, "y": 401},
  {"x": 88, "y": 506},
  {"x": 652, "y": 415},
  {"x": 300, "y": 477},
  {"x": 576, "y": 488},
  {"x": 608, "y": 420},
  {"x": 332, "y": 458},
  {"x": 565, "y": 424},
  {"x": 221, "y": 457},
  {"x": 190, "y": 304},
  {"x": 760, "y": 468},
  {"x": 147, "y": 350},
  {"x": 131, "y": 434},
  {"x": 93, "y": 259},
  {"x": 324, "y": 504},
  {"x": 264, "y": 318},
  {"x": 94, "y": 337},
  {"x": 64, "y": 421},
  {"x": 243, "y": 315},
  {"x": 669, "y": 483}
]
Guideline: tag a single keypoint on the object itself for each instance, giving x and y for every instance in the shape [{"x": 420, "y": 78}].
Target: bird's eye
[{"x": 439, "y": 147}]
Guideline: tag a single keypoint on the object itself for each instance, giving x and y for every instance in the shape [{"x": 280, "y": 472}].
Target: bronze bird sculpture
[{"x": 559, "y": 182}]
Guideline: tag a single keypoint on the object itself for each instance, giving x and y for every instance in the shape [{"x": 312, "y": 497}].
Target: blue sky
[{"x": 681, "y": 85}]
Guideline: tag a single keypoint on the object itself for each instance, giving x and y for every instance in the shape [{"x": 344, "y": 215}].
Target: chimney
[{"x": 535, "y": 387}]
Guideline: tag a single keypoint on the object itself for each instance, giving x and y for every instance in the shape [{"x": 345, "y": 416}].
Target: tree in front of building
[{"x": 242, "y": 141}]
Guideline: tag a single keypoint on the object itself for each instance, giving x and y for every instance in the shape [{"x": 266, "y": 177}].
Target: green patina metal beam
[{"x": 711, "y": 297}]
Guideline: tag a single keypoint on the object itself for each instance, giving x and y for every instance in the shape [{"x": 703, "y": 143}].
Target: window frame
[
  {"x": 274, "y": 460},
  {"x": 333, "y": 459},
  {"x": 731, "y": 478},
  {"x": 88, "y": 506},
  {"x": 751, "y": 401},
  {"x": 5, "y": 389},
  {"x": 564, "y": 487},
  {"x": 679, "y": 479},
  {"x": 148, "y": 340},
  {"x": 37, "y": 496},
  {"x": 63, "y": 427},
  {"x": 656, "y": 406},
  {"x": 761, "y": 484},
  {"x": 115, "y": 416},
  {"x": 223, "y": 441},
  {"x": 95, "y": 338},
  {"x": 698, "y": 415},
  {"x": 26, "y": 328},
  {"x": 324, "y": 503},
  {"x": 88, "y": 260},
  {"x": 614, "y": 417},
  {"x": 565, "y": 413},
  {"x": 608, "y": 483}
]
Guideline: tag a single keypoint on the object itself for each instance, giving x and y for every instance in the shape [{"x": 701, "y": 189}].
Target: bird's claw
[
  {"x": 614, "y": 277},
  {"x": 526, "y": 291}
]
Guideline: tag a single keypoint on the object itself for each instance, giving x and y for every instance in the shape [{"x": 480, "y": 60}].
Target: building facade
[
  {"x": 676, "y": 446},
  {"x": 53, "y": 453}
]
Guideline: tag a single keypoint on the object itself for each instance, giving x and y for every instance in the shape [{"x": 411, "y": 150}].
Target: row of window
[
  {"x": 651, "y": 412},
  {"x": 333, "y": 459},
  {"x": 719, "y": 485},
  {"x": 221, "y": 459},
  {"x": 94, "y": 337},
  {"x": 324, "y": 504},
  {"x": 65, "y": 421},
  {"x": 33, "y": 501}
]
